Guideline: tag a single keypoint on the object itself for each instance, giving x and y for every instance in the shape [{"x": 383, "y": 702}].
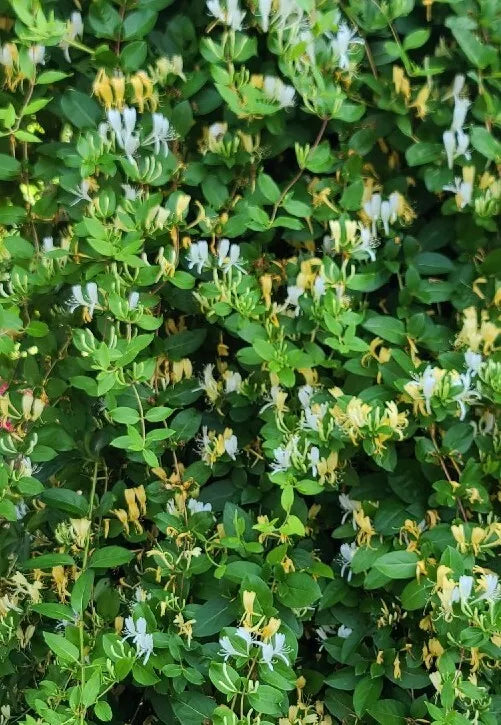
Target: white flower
[
  {"x": 282, "y": 460},
  {"x": 6, "y": 57},
  {"x": 90, "y": 299},
  {"x": 74, "y": 30},
  {"x": 473, "y": 362},
  {"x": 232, "y": 382},
  {"x": 276, "y": 397},
  {"x": 288, "y": 13},
  {"x": 372, "y": 208},
  {"x": 385, "y": 215},
  {"x": 461, "y": 106},
  {"x": 366, "y": 244},
  {"x": 323, "y": 633},
  {"x": 294, "y": 292},
  {"x": 492, "y": 590},
  {"x": 304, "y": 394},
  {"x": 318, "y": 288},
  {"x": 37, "y": 54},
  {"x": 133, "y": 300},
  {"x": 314, "y": 456},
  {"x": 160, "y": 134},
  {"x": 462, "y": 189},
  {"x": 344, "y": 632},
  {"x": 349, "y": 506},
  {"x": 228, "y": 256},
  {"x": 142, "y": 641},
  {"x": 21, "y": 510},
  {"x": 394, "y": 200},
  {"x": 123, "y": 125},
  {"x": 246, "y": 636},
  {"x": 463, "y": 142},
  {"x": 231, "y": 446},
  {"x": 227, "y": 649},
  {"x": 48, "y": 244},
  {"x": 231, "y": 15},
  {"x": 278, "y": 91},
  {"x": 457, "y": 85},
  {"x": 427, "y": 382},
  {"x": 276, "y": 648},
  {"x": 81, "y": 192},
  {"x": 264, "y": 13},
  {"x": 341, "y": 44},
  {"x": 208, "y": 383},
  {"x": 198, "y": 256},
  {"x": 347, "y": 552},
  {"x": 449, "y": 140},
  {"x": 130, "y": 192},
  {"x": 195, "y": 507},
  {"x": 464, "y": 587},
  {"x": 466, "y": 396}
]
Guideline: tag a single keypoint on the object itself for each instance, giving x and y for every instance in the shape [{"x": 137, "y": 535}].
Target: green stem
[{"x": 141, "y": 412}]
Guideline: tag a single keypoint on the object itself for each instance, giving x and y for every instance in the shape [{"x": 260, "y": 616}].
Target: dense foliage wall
[{"x": 249, "y": 369}]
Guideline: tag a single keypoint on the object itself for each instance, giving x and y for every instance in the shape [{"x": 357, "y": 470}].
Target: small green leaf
[{"x": 109, "y": 557}]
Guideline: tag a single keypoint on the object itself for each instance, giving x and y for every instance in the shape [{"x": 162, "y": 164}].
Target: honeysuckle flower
[
  {"x": 160, "y": 134},
  {"x": 228, "y": 650},
  {"x": 461, "y": 106},
  {"x": 142, "y": 641},
  {"x": 282, "y": 460},
  {"x": 247, "y": 637},
  {"x": 385, "y": 213},
  {"x": 228, "y": 256},
  {"x": 294, "y": 292},
  {"x": 81, "y": 192},
  {"x": 89, "y": 299},
  {"x": 130, "y": 192},
  {"x": 274, "y": 649},
  {"x": 372, "y": 208},
  {"x": 194, "y": 506},
  {"x": 37, "y": 54},
  {"x": 449, "y": 140},
  {"x": 463, "y": 142},
  {"x": 318, "y": 289},
  {"x": 314, "y": 458},
  {"x": 74, "y": 30},
  {"x": 21, "y": 510},
  {"x": 304, "y": 395},
  {"x": 264, "y": 7},
  {"x": 323, "y": 633},
  {"x": 123, "y": 124},
  {"x": 457, "y": 85},
  {"x": 231, "y": 446},
  {"x": 347, "y": 552},
  {"x": 276, "y": 399},
  {"x": 349, "y": 506},
  {"x": 133, "y": 300},
  {"x": 492, "y": 589},
  {"x": 474, "y": 362},
  {"x": 278, "y": 91},
  {"x": 341, "y": 43},
  {"x": 463, "y": 191},
  {"x": 466, "y": 396},
  {"x": 465, "y": 586},
  {"x": 208, "y": 383},
  {"x": 232, "y": 382},
  {"x": 198, "y": 256},
  {"x": 48, "y": 244},
  {"x": 288, "y": 13},
  {"x": 344, "y": 632},
  {"x": 228, "y": 13},
  {"x": 366, "y": 244}
]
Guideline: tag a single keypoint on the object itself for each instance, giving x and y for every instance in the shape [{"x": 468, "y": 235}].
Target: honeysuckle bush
[{"x": 249, "y": 370}]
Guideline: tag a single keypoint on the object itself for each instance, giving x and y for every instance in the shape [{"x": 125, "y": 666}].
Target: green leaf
[
  {"x": 268, "y": 188},
  {"x": 62, "y": 648},
  {"x": 485, "y": 143},
  {"x": 61, "y": 612},
  {"x": 63, "y": 499},
  {"x": 186, "y": 424},
  {"x": 47, "y": 561},
  {"x": 51, "y": 76},
  {"x": 298, "y": 590},
  {"x": 103, "y": 711},
  {"x": 129, "y": 416},
  {"x": 133, "y": 56},
  {"x": 193, "y": 708},
  {"x": 82, "y": 591},
  {"x": 386, "y": 327},
  {"x": 388, "y": 712},
  {"x": 266, "y": 700},
  {"x": 479, "y": 53},
  {"x": 184, "y": 343},
  {"x": 109, "y": 557},
  {"x": 212, "y": 616},
  {"x": 416, "y": 39},
  {"x": 224, "y": 678},
  {"x": 423, "y": 153},
  {"x": 9, "y": 167},
  {"x": 138, "y": 24},
  {"x": 80, "y": 109},
  {"x": 366, "y": 692},
  {"x": 8, "y": 510},
  {"x": 397, "y": 564}
]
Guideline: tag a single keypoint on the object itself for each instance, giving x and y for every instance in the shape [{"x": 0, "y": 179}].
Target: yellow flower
[
  {"x": 271, "y": 628},
  {"x": 366, "y": 530},
  {"x": 420, "y": 102},
  {"x": 401, "y": 82}
]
